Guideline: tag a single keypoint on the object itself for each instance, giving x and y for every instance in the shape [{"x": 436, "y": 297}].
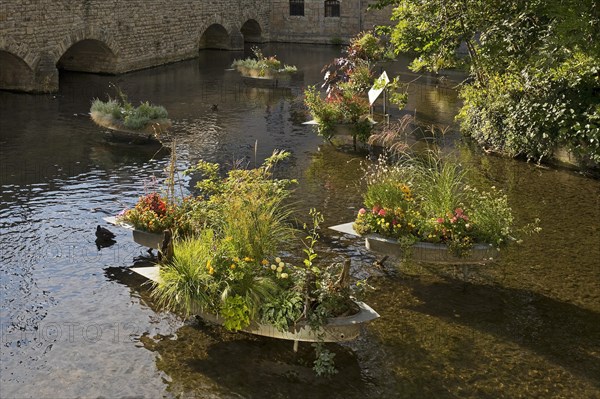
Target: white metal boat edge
[{"x": 338, "y": 329}]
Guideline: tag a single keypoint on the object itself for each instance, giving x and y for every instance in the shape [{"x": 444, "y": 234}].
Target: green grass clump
[{"x": 125, "y": 113}]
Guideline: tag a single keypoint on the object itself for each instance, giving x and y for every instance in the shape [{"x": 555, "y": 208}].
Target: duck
[{"x": 103, "y": 233}]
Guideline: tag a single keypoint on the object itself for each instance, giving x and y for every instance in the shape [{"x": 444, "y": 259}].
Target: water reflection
[
  {"x": 239, "y": 365},
  {"x": 526, "y": 326}
]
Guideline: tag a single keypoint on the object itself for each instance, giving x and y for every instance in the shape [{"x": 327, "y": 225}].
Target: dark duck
[
  {"x": 104, "y": 234},
  {"x": 104, "y": 238}
]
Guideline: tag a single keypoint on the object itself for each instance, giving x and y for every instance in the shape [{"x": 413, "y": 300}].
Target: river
[{"x": 76, "y": 322}]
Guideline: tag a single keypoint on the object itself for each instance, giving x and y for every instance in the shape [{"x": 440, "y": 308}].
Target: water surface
[{"x": 77, "y": 323}]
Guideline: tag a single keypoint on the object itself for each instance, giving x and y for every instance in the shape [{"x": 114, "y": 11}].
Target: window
[
  {"x": 297, "y": 7},
  {"x": 332, "y": 8}
]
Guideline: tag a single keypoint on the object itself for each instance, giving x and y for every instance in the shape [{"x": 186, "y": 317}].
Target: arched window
[
  {"x": 332, "y": 8},
  {"x": 297, "y": 7}
]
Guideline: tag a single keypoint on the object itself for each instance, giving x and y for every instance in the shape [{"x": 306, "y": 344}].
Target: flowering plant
[
  {"x": 428, "y": 200},
  {"x": 154, "y": 213},
  {"x": 339, "y": 107},
  {"x": 231, "y": 266},
  {"x": 262, "y": 66}
]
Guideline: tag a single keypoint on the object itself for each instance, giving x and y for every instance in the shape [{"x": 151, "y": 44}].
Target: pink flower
[
  {"x": 394, "y": 222},
  {"x": 453, "y": 220},
  {"x": 458, "y": 211},
  {"x": 362, "y": 211},
  {"x": 382, "y": 212},
  {"x": 440, "y": 220},
  {"x": 465, "y": 218}
]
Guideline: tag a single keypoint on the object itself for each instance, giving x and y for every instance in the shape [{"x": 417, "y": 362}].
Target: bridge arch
[
  {"x": 215, "y": 37},
  {"x": 88, "y": 55},
  {"x": 252, "y": 31},
  {"x": 15, "y": 73}
]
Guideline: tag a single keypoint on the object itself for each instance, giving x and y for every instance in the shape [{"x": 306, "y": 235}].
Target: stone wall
[
  {"x": 39, "y": 36},
  {"x": 314, "y": 27}
]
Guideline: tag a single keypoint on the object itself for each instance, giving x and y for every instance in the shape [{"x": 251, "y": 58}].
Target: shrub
[
  {"x": 428, "y": 199},
  {"x": 125, "y": 113}
]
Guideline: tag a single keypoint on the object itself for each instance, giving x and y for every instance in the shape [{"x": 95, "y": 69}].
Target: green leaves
[{"x": 535, "y": 65}]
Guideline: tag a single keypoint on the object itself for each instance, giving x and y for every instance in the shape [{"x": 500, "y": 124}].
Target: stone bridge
[{"x": 40, "y": 37}]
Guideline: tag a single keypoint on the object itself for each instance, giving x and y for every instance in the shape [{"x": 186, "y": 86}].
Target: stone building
[
  {"x": 322, "y": 21},
  {"x": 39, "y": 38}
]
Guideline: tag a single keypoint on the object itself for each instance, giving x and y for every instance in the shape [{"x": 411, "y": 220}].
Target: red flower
[{"x": 382, "y": 212}]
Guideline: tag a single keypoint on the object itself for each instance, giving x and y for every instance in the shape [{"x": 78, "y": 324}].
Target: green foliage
[
  {"x": 262, "y": 65},
  {"x": 533, "y": 113},
  {"x": 428, "y": 199},
  {"x": 236, "y": 313},
  {"x": 186, "y": 283},
  {"x": 131, "y": 117},
  {"x": 283, "y": 310},
  {"x": 367, "y": 46},
  {"x": 324, "y": 363},
  {"x": 338, "y": 108},
  {"x": 110, "y": 107},
  {"x": 534, "y": 64}
]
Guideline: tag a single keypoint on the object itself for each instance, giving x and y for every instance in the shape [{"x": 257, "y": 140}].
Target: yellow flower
[
  {"x": 273, "y": 267},
  {"x": 281, "y": 264},
  {"x": 247, "y": 259},
  {"x": 277, "y": 260},
  {"x": 264, "y": 262},
  {"x": 279, "y": 269},
  {"x": 232, "y": 266},
  {"x": 284, "y": 275}
]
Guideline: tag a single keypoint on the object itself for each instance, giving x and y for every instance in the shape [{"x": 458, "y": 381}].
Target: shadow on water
[
  {"x": 201, "y": 358},
  {"x": 251, "y": 367},
  {"x": 447, "y": 336},
  {"x": 565, "y": 334}
]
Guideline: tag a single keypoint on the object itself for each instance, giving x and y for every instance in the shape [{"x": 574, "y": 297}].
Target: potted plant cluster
[
  {"x": 422, "y": 206},
  {"x": 263, "y": 67},
  {"x": 232, "y": 260},
  {"x": 144, "y": 122},
  {"x": 154, "y": 213},
  {"x": 345, "y": 109}
]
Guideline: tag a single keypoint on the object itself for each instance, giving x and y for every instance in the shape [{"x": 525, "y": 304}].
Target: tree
[{"x": 535, "y": 68}]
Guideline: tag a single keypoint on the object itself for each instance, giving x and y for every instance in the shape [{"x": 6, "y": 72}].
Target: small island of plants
[
  {"x": 345, "y": 109},
  {"x": 263, "y": 67},
  {"x": 146, "y": 120},
  {"x": 232, "y": 255},
  {"x": 426, "y": 199}
]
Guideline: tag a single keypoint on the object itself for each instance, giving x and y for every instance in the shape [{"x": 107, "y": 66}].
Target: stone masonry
[
  {"x": 40, "y": 37},
  {"x": 314, "y": 27}
]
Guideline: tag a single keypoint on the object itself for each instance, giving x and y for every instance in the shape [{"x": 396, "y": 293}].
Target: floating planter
[
  {"x": 264, "y": 71},
  {"x": 143, "y": 238},
  {"x": 128, "y": 123},
  {"x": 337, "y": 329},
  {"x": 340, "y": 129},
  {"x": 423, "y": 251},
  {"x": 421, "y": 207},
  {"x": 219, "y": 260}
]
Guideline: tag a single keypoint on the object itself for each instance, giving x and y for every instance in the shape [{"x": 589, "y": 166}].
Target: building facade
[{"x": 39, "y": 38}]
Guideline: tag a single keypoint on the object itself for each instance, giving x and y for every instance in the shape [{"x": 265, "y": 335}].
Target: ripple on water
[{"x": 76, "y": 321}]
